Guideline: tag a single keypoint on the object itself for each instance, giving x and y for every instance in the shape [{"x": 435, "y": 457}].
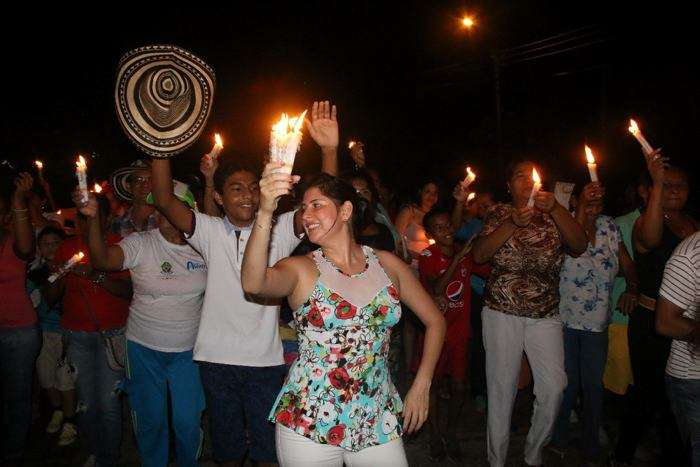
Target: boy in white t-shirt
[
  {"x": 168, "y": 278},
  {"x": 238, "y": 345}
]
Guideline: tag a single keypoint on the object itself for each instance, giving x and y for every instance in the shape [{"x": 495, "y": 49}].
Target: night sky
[{"x": 408, "y": 81}]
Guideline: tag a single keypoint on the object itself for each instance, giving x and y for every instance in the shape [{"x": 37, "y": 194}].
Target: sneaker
[
  {"x": 56, "y": 421},
  {"x": 91, "y": 461},
  {"x": 68, "y": 434}
]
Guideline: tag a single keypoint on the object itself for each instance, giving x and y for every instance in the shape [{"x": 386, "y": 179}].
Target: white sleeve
[
  {"x": 131, "y": 246},
  {"x": 678, "y": 285},
  {"x": 283, "y": 239},
  {"x": 199, "y": 240}
]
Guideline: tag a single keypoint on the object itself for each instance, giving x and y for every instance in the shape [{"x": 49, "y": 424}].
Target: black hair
[
  {"x": 363, "y": 175},
  {"x": 416, "y": 197},
  {"x": 229, "y": 166},
  {"x": 341, "y": 191},
  {"x": 51, "y": 230},
  {"x": 431, "y": 215},
  {"x": 513, "y": 164}
]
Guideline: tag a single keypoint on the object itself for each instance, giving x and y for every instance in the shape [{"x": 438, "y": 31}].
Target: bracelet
[{"x": 263, "y": 227}]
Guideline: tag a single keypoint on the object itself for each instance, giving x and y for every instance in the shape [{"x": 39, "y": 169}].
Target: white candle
[
  {"x": 285, "y": 139},
  {"x": 637, "y": 133},
  {"x": 218, "y": 147},
  {"x": 537, "y": 184},
  {"x": 592, "y": 166},
  {"x": 469, "y": 179},
  {"x": 75, "y": 259},
  {"x": 81, "y": 173},
  {"x": 40, "y": 168}
]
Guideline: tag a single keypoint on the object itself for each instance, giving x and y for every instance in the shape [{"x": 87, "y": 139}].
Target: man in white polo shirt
[
  {"x": 238, "y": 346},
  {"x": 677, "y": 317}
]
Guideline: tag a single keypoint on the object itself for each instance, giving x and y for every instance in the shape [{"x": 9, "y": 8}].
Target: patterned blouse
[
  {"x": 524, "y": 280},
  {"x": 587, "y": 281},
  {"x": 339, "y": 391}
]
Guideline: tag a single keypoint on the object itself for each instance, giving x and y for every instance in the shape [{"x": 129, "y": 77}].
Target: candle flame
[
  {"x": 39, "y": 164},
  {"x": 79, "y": 255},
  {"x": 287, "y": 125},
  {"x": 98, "y": 188},
  {"x": 471, "y": 196},
  {"x": 431, "y": 241},
  {"x": 536, "y": 177},
  {"x": 351, "y": 144},
  {"x": 217, "y": 140},
  {"x": 634, "y": 129},
  {"x": 589, "y": 155},
  {"x": 470, "y": 174},
  {"x": 58, "y": 213},
  {"x": 80, "y": 163}
]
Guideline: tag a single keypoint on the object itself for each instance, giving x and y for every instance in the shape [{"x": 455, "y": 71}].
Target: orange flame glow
[
  {"x": 39, "y": 164},
  {"x": 81, "y": 164},
  {"x": 536, "y": 177},
  {"x": 471, "y": 196},
  {"x": 634, "y": 129},
  {"x": 217, "y": 140},
  {"x": 589, "y": 155},
  {"x": 98, "y": 188}
]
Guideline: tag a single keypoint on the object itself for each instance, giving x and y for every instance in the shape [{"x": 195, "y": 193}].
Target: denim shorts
[{"x": 240, "y": 398}]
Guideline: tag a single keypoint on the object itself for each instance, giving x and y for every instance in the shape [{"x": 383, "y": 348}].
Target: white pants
[
  {"x": 505, "y": 338},
  {"x": 294, "y": 450}
]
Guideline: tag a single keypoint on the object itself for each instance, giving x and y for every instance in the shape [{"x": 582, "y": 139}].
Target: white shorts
[
  {"x": 295, "y": 450},
  {"x": 50, "y": 370}
]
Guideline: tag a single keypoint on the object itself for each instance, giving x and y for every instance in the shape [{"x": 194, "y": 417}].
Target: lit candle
[
  {"x": 637, "y": 133},
  {"x": 285, "y": 139},
  {"x": 536, "y": 185},
  {"x": 592, "y": 166},
  {"x": 471, "y": 196},
  {"x": 431, "y": 241},
  {"x": 58, "y": 213},
  {"x": 81, "y": 173},
  {"x": 75, "y": 259},
  {"x": 469, "y": 179},
  {"x": 351, "y": 144},
  {"x": 98, "y": 188},
  {"x": 39, "y": 168},
  {"x": 218, "y": 147}
]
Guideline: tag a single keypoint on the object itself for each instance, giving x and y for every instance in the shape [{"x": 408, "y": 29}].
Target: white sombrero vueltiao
[{"x": 164, "y": 96}]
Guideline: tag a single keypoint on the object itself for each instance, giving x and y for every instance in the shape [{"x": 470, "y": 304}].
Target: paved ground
[{"x": 471, "y": 434}]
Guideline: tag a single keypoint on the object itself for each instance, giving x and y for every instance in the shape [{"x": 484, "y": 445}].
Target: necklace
[{"x": 330, "y": 261}]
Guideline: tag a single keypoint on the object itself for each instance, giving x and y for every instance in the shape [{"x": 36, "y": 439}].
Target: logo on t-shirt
[
  {"x": 454, "y": 291},
  {"x": 166, "y": 268},
  {"x": 196, "y": 266}
]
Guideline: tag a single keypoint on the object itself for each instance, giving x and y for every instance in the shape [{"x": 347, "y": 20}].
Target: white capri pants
[
  {"x": 505, "y": 338},
  {"x": 295, "y": 450}
]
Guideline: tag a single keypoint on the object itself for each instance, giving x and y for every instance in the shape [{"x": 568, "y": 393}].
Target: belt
[{"x": 646, "y": 302}]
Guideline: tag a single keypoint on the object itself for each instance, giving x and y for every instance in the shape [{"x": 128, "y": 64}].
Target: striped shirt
[{"x": 681, "y": 286}]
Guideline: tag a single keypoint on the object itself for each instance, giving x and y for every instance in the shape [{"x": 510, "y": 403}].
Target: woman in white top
[{"x": 168, "y": 279}]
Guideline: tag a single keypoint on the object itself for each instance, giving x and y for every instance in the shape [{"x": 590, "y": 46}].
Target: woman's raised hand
[{"x": 274, "y": 184}]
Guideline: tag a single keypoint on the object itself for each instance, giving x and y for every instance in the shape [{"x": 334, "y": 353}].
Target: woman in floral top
[
  {"x": 521, "y": 305},
  {"x": 586, "y": 290},
  {"x": 338, "y": 403}
]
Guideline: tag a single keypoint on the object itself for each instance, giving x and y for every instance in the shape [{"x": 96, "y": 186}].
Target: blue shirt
[
  {"x": 586, "y": 282},
  {"x": 626, "y": 224},
  {"x": 465, "y": 233}
]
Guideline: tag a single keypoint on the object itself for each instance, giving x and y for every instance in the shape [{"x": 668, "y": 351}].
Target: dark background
[{"x": 408, "y": 81}]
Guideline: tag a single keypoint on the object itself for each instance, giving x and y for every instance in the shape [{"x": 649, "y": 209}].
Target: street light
[{"x": 468, "y": 21}]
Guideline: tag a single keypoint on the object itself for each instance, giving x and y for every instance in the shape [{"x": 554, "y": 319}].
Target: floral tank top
[{"x": 338, "y": 391}]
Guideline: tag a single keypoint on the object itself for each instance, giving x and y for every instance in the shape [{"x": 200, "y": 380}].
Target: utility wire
[
  {"x": 557, "y": 52},
  {"x": 507, "y": 56},
  {"x": 573, "y": 31}
]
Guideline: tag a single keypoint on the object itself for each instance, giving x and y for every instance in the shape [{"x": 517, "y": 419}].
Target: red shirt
[
  {"x": 432, "y": 264},
  {"x": 16, "y": 309},
  {"x": 85, "y": 305}
]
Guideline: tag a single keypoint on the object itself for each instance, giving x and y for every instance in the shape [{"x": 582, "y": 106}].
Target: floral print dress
[{"x": 339, "y": 391}]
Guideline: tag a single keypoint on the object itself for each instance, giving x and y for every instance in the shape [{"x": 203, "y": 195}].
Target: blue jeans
[
  {"x": 240, "y": 397},
  {"x": 99, "y": 409},
  {"x": 19, "y": 348},
  {"x": 150, "y": 374},
  {"x": 684, "y": 396},
  {"x": 585, "y": 353}
]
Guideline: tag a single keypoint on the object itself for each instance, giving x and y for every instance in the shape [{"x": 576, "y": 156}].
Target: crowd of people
[{"x": 318, "y": 321}]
